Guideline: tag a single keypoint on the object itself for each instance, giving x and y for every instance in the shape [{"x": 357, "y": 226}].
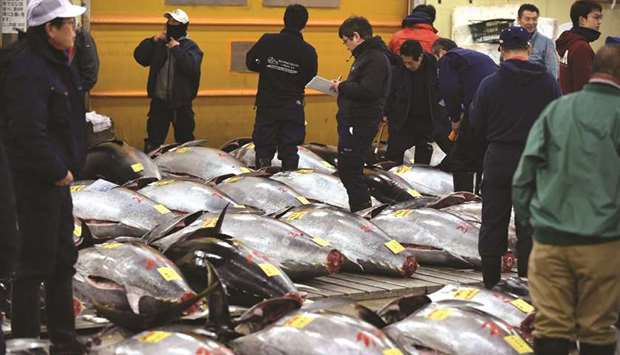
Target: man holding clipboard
[{"x": 285, "y": 63}]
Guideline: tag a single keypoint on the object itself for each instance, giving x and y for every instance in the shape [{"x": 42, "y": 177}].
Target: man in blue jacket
[
  {"x": 174, "y": 76},
  {"x": 543, "y": 49},
  {"x": 460, "y": 72},
  {"x": 504, "y": 109},
  {"x": 45, "y": 141},
  {"x": 286, "y": 63}
]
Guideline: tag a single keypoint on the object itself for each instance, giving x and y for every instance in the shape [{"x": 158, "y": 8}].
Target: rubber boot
[
  {"x": 551, "y": 346},
  {"x": 25, "y": 309},
  {"x": 263, "y": 163},
  {"x": 491, "y": 270},
  {"x": 61, "y": 319},
  {"x": 591, "y": 349}
]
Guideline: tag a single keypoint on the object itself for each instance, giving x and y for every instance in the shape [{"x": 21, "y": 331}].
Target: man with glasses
[
  {"x": 576, "y": 54},
  {"x": 361, "y": 99},
  {"x": 44, "y": 116}
]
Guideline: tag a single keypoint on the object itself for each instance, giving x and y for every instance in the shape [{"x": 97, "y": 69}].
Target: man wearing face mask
[
  {"x": 174, "y": 76},
  {"x": 576, "y": 54}
]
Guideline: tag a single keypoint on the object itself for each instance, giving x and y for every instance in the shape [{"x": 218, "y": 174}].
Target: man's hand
[
  {"x": 384, "y": 119},
  {"x": 159, "y": 37},
  {"x": 334, "y": 85},
  {"x": 172, "y": 43},
  {"x": 66, "y": 181}
]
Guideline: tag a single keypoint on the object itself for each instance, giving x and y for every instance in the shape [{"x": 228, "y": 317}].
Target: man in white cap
[
  {"x": 43, "y": 116},
  {"x": 174, "y": 76}
]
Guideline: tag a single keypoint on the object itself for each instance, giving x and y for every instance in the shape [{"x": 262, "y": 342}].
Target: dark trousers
[
  {"x": 159, "y": 119},
  {"x": 47, "y": 255},
  {"x": 407, "y": 136},
  {"x": 500, "y": 163},
  {"x": 354, "y": 143},
  {"x": 281, "y": 129}
]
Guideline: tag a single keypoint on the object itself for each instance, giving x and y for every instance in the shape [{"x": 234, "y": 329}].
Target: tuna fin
[
  {"x": 267, "y": 312},
  {"x": 165, "y": 229},
  {"x": 370, "y": 316},
  {"x": 402, "y": 307},
  {"x": 137, "y": 184}
]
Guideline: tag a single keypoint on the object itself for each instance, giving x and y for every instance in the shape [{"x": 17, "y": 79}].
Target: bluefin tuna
[
  {"x": 426, "y": 180},
  {"x": 307, "y": 159},
  {"x": 201, "y": 162}
]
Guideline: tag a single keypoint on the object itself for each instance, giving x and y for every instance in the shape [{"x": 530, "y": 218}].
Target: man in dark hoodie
[
  {"x": 361, "y": 100},
  {"x": 576, "y": 54},
  {"x": 174, "y": 76},
  {"x": 419, "y": 27},
  {"x": 286, "y": 63},
  {"x": 502, "y": 120},
  {"x": 413, "y": 105}
]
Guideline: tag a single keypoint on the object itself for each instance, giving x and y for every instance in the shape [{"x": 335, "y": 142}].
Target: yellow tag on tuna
[
  {"x": 154, "y": 337},
  {"x": 77, "y": 230},
  {"x": 439, "y": 314},
  {"x": 164, "y": 182},
  {"x": 182, "y": 150},
  {"x": 403, "y": 169},
  {"x": 517, "y": 343},
  {"x": 402, "y": 213},
  {"x": 111, "y": 245},
  {"x": 522, "y": 305},
  {"x": 327, "y": 164},
  {"x": 245, "y": 170},
  {"x": 209, "y": 223},
  {"x": 269, "y": 269},
  {"x": 303, "y": 200},
  {"x": 251, "y": 146},
  {"x": 169, "y": 274},
  {"x": 394, "y": 246},
  {"x": 466, "y": 293},
  {"x": 137, "y": 167},
  {"x": 231, "y": 180},
  {"x": 320, "y": 241},
  {"x": 392, "y": 351},
  {"x": 300, "y": 321},
  {"x": 305, "y": 171},
  {"x": 76, "y": 188},
  {"x": 161, "y": 209},
  {"x": 296, "y": 215},
  {"x": 413, "y": 193}
]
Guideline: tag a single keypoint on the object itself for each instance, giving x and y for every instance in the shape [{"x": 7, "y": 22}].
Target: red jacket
[
  {"x": 424, "y": 33},
  {"x": 576, "y": 58}
]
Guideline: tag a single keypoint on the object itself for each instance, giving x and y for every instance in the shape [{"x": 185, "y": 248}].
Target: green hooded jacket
[{"x": 567, "y": 184}]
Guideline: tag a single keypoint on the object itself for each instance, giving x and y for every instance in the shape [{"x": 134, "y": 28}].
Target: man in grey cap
[
  {"x": 44, "y": 117},
  {"x": 174, "y": 76}
]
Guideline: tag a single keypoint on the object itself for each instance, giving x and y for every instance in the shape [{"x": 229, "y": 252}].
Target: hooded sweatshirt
[
  {"x": 576, "y": 57},
  {"x": 508, "y": 102},
  {"x": 424, "y": 33}
]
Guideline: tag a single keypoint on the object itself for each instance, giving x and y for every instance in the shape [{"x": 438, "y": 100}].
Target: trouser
[
  {"x": 500, "y": 163},
  {"x": 354, "y": 143},
  {"x": 281, "y": 129},
  {"x": 576, "y": 291},
  {"x": 47, "y": 255},
  {"x": 2, "y": 342},
  {"x": 159, "y": 118},
  {"x": 467, "y": 181},
  {"x": 407, "y": 136}
]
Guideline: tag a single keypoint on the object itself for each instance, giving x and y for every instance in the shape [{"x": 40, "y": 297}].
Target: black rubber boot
[
  {"x": 263, "y": 163},
  {"x": 60, "y": 317},
  {"x": 25, "y": 313},
  {"x": 591, "y": 349},
  {"x": 551, "y": 346},
  {"x": 491, "y": 270}
]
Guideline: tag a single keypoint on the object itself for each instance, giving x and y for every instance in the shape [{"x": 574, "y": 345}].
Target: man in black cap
[
  {"x": 286, "y": 63},
  {"x": 504, "y": 109},
  {"x": 174, "y": 76}
]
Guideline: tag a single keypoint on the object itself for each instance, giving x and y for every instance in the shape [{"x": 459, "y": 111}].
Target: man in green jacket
[{"x": 567, "y": 189}]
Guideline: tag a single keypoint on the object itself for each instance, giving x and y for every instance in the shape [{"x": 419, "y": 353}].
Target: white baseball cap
[
  {"x": 43, "y": 11},
  {"x": 177, "y": 15}
]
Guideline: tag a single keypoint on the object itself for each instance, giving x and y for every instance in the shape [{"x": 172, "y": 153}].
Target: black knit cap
[{"x": 295, "y": 17}]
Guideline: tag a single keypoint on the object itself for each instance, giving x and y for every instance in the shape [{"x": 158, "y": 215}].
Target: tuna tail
[
  {"x": 86, "y": 237},
  {"x": 401, "y": 308},
  {"x": 137, "y": 184},
  {"x": 370, "y": 316}
]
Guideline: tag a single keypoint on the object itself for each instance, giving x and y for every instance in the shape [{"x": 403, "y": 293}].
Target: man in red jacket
[
  {"x": 419, "y": 27},
  {"x": 576, "y": 54}
]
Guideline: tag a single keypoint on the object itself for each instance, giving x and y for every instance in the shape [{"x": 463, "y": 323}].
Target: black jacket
[
  {"x": 44, "y": 113},
  {"x": 361, "y": 98},
  {"x": 8, "y": 221},
  {"x": 86, "y": 60},
  {"x": 398, "y": 104},
  {"x": 188, "y": 58},
  {"x": 286, "y": 63}
]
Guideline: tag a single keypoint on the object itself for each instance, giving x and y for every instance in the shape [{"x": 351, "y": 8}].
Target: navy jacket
[
  {"x": 188, "y": 58},
  {"x": 86, "y": 59},
  {"x": 509, "y": 102},
  {"x": 8, "y": 220},
  {"x": 460, "y": 72},
  {"x": 286, "y": 63},
  {"x": 44, "y": 113},
  {"x": 361, "y": 98}
]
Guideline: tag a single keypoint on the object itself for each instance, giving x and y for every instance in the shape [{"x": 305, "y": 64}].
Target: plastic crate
[{"x": 488, "y": 31}]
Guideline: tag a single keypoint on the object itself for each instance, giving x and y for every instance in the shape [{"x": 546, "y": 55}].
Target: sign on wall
[
  {"x": 13, "y": 14},
  {"x": 306, "y": 3},
  {"x": 208, "y": 2},
  {"x": 238, "y": 50}
]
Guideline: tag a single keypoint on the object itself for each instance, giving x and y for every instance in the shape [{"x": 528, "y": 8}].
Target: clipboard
[{"x": 321, "y": 84}]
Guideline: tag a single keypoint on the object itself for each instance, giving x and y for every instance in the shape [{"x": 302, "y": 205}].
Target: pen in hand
[{"x": 334, "y": 85}]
